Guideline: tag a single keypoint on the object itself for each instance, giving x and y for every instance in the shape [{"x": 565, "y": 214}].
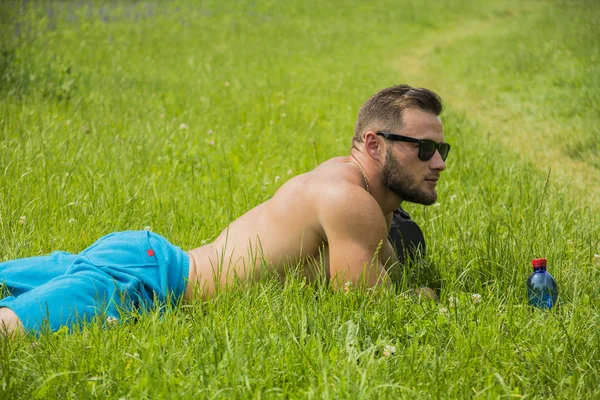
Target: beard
[{"x": 396, "y": 178}]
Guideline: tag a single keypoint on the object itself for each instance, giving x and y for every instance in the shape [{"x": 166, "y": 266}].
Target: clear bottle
[{"x": 542, "y": 291}]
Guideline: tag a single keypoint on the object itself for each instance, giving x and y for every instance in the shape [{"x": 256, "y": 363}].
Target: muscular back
[{"x": 303, "y": 220}]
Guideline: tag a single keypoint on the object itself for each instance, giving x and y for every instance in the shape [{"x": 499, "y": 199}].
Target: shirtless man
[{"x": 335, "y": 217}]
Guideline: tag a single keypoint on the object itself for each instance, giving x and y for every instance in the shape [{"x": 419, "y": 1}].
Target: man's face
[{"x": 403, "y": 172}]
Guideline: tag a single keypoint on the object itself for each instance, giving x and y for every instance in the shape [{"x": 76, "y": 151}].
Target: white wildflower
[
  {"x": 183, "y": 126},
  {"x": 210, "y": 132},
  {"x": 211, "y": 143},
  {"x": 437, "y": 204},
  {"x": 388, "y": 350},
  {"x": 277, "y": 178},
  {"x": 111, "y": 320},
  {"x": 452, "y": 302},
  {"x": 443, "y": 311},
  {"x": 476, "y": 297},
  {"x": 71, "y": 220},
  {"x": 22, "y": 220},
  {"x": 290, "y": 172},
  {"x": 147, "y": 228}
]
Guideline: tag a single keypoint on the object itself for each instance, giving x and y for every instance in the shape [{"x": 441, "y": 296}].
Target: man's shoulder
[
  {"x": 347, "y": 194},
  {"x": 340, "y": 185},
  {"x": 349, "y": 206},
  {"x": 333, "y": 188}
]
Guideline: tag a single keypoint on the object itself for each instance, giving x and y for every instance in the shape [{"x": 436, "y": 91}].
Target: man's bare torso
[{"x": 286, "y": 230}]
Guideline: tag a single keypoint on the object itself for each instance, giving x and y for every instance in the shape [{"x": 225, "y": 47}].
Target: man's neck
[{"x": 388, "y": 201}]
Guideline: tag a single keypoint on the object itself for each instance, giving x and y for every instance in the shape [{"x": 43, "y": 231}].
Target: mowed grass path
[
  {"x": 526, "y": 83},
  {"x": 180, "y": 116}
]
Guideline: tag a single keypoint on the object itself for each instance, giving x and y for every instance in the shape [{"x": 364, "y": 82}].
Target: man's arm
[
  {"x": 356, "y": 233},
  {"x": 389, "y": 254}
]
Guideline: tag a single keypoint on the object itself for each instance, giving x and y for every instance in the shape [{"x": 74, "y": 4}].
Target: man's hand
[{"x": 427, "y": 293}]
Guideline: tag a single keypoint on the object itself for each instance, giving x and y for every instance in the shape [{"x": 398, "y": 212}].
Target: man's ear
[{"x": 374, "y": 146}]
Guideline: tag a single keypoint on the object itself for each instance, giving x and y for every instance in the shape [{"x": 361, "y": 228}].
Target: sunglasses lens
[
  {"x": 444, "y": 149},
  {"x": 427, "y": 150}
]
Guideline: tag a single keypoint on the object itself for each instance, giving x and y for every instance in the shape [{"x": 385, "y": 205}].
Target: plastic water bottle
[{"x": 541, "y": 286}]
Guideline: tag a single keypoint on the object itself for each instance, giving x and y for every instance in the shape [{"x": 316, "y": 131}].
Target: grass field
[{"x": 180, "y": 116}]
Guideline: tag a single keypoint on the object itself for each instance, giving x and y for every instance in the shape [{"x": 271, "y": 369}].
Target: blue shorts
[{"x": 132, "y": 270}]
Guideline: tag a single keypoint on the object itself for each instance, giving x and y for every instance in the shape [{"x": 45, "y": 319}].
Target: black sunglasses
[{"x": 427, "y": 147}]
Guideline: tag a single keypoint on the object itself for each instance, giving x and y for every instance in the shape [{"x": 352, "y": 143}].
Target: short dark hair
[{"x": 383, "y": 111}]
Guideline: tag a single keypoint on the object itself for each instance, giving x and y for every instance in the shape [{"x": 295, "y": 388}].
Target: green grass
[
  {"x": 530, "y": 80},
  {"x": 93, "y": 98}
]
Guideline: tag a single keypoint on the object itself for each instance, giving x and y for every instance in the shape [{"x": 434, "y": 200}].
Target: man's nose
[{"x": 436, "y": 162}]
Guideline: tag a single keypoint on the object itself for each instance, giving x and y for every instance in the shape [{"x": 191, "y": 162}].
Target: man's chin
[
  {"x": 420, "y": 197},
  {"x": 429, "y": 201},
  {"x": 425, "y": 199}
]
